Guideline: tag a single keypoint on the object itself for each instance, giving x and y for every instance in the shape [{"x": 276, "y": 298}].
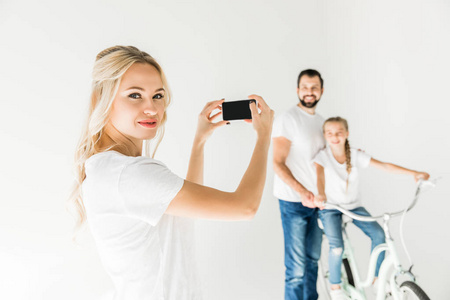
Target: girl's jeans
[{"x": 332, "y": 223}]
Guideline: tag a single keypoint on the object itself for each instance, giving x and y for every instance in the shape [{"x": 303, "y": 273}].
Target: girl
[
  {"x": 337, "y": 181},
  {"x": 134, "y": 203}
]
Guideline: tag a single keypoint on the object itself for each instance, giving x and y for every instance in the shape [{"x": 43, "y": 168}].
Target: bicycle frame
[
  {"x": 391, "y": 266},
  {"x": 389, "y": 269}
]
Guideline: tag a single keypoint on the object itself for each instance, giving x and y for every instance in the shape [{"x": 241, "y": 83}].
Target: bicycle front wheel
[{"x": 411, "y": 291}]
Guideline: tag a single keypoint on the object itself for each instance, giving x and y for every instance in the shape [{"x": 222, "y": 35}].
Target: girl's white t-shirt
[
  {"x": 148, "y": 254},
  {"x": 336, "y": 177}
]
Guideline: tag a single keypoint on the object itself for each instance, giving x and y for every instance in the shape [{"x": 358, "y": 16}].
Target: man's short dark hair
[{"x": 310, "y": 73}]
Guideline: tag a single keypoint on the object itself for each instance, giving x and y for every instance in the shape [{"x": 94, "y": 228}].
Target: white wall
[{"x": 385, "y": 66}]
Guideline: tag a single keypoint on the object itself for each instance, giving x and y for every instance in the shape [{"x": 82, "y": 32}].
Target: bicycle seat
[
  {"x": 319, "y": 222},
  {"x": 346, "y": 219}
]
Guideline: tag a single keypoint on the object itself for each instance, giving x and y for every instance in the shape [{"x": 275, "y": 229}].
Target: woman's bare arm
[
  {"x": 198, "y": 201},
  {"x": 205, "y": 128}
]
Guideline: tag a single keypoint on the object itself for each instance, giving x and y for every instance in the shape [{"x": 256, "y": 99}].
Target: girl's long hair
[
  {"x": 109, "y": 67},
  {"x": 347, "y": 144}
]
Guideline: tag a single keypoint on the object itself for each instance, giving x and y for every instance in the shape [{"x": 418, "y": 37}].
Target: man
[{"x": 297, "y": 137}]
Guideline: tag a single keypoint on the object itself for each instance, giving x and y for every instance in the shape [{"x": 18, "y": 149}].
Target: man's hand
[{"x": 307, "y": 198}]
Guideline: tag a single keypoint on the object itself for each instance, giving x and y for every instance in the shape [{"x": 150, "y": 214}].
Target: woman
[
  {"x": 134, "y": 204},
  {"x": 337, "y": 169}
]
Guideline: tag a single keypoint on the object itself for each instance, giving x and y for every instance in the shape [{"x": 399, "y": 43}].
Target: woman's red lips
[{"x": 149, "y": 123}]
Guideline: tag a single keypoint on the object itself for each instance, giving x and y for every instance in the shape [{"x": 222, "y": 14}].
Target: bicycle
[{"x": 391, "y": 268}]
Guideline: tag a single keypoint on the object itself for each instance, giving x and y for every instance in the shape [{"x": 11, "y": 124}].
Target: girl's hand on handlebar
[
  {"x": 205, "y": 125},
  {"x": 421, "y": 175},
  {"x": 262, "y": 122},
  {"x": 320, "y": 200}
]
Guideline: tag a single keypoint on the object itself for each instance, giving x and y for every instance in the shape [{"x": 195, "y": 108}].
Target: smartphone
[{"x": 237, "y": 110}]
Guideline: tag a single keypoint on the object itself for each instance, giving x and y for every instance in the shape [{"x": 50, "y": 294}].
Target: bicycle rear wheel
[
  {"x": 348, "y": 272},
  {"x": 411, "y": 291}
]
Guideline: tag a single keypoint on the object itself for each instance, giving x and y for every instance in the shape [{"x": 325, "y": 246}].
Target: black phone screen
[{"x": 237, "y": 110}]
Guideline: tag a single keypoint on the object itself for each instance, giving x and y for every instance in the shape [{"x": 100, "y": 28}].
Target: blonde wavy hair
[{"x": 109, "y": 67}]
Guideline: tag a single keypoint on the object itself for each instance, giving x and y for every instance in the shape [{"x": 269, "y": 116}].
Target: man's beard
[{"x": 310, "y": 104}]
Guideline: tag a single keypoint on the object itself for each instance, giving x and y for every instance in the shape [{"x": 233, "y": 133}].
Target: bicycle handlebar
[{"x": 354, "y": 216}]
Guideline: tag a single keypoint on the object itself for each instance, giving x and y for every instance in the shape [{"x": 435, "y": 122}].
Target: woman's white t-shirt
[
  {"x": 336, "y": 177},
  {"x": 148, "y": 254}
]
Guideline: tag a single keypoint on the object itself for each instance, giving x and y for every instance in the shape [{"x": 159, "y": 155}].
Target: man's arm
[{"x": 281, "y": 148}]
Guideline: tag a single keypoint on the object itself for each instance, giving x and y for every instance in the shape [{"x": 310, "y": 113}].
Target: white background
[{"x": 386, "y": 69}]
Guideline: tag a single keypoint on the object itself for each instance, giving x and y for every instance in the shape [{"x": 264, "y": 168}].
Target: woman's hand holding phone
[
  {"x": 205, "y": 125},
  {"x": 198, "y": 201},
  {"x": 262, "y": 121}
]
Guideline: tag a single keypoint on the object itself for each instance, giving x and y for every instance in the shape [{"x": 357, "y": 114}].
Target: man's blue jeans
[
  {"x": 302, "y": 245},
  {"x": 332, "y": 225}
]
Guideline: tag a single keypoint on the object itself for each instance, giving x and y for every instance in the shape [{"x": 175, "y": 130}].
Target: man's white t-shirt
[
  {"x": 336, "y": 177},
  {"x": 306, "y": 136},
  {"x": 149, "y": 255}
]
